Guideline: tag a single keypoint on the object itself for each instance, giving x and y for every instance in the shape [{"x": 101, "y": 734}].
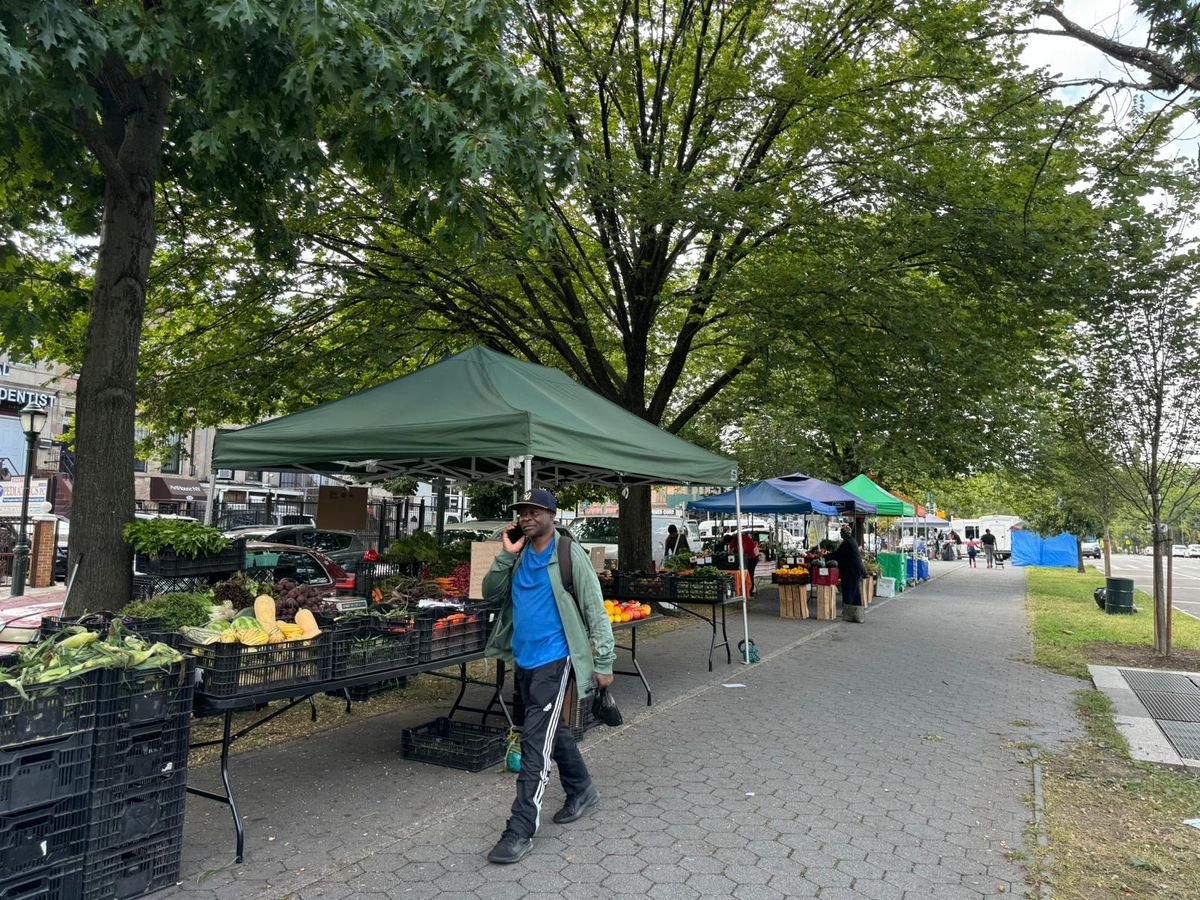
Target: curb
[{"x": 1045, "y": 859}]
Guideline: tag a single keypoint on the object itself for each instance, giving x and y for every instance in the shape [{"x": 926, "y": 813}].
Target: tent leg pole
[
  {"x": 528, "y": 474},
  {"x": 741, "y": 557}
]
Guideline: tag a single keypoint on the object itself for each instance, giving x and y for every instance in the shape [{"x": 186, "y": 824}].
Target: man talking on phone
[{"x": 550, "y": 638}]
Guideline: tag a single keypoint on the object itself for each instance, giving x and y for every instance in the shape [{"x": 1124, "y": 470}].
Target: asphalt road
[{"x": 1185, "y": 578}]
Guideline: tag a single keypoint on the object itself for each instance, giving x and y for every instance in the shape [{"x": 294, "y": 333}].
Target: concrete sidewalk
[{"x": 858, "y": 761}]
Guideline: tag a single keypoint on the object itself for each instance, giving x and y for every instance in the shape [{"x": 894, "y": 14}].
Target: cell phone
[{"x": 514, "y": 533}]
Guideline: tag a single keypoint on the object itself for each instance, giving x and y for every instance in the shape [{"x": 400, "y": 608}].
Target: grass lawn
[
  {"x": 1070, "y": 631},
  {"x": 1116, "y": 826}
]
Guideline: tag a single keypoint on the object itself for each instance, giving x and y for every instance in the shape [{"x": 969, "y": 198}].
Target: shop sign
[
  {"x": 10, "y": 499},
  {"x": 21, "y": 396}
]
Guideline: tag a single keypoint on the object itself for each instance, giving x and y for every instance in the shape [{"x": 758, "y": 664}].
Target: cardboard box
[{"x": 342, "y": 508}]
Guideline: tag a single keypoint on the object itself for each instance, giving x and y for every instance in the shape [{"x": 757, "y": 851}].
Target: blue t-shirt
[{"x": 538, "y": 636}]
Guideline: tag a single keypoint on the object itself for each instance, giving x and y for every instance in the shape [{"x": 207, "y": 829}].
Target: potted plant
[{"x": 174, "y": 548}]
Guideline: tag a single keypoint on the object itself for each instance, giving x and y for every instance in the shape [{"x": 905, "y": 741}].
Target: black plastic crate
[
  {"x": 233, "y": 670},
  {"x": 37, "y": 774},
  {"x": 145, "y": 696},
  {"x": 37, "y": 838},
  {"x": 122, "y": 814},
  {"x": 59, "y": 882},
  {"x": 703, "y": 588},
  {"x": 364, "y": 649},
  {"x": 169, "y": 565},
  {"x": 361, "y": 692},
  {"x": 133, "y": 871},
  {"x": 47, "y": 711},
  {"x": 441, "y": 639},
  {"x": 458, "y": 745},
  {"x": 147, "y": 629},
  {"x": 644, "y": 585},
  {"x": 122, "y": 755}
]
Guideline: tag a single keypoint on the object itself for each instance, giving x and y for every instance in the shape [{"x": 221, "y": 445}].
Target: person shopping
[
  {"x": 552, "y": 639},
  {"x": 850, "y": 572},
  {"x": 676, "y": 542},
  {"x": 750, "y": 553}
]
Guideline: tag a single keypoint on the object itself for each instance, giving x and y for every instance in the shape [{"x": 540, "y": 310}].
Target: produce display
[
  {"x": 263, "y": 627},
  {"x": 627, "y": 611},
  {"x": 76, "y": 650},
  {"x": 791, "y": 575},
  {"x": 294, "y": 597}
]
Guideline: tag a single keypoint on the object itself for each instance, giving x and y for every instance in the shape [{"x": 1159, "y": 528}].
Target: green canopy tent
[
  {"x": 885, "y": 504},
  {"x": 476, "y": 416}
]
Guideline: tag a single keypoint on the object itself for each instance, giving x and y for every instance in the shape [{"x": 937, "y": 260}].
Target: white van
[
  {"x": 1000, "y": 527},
  {"x": 603, "y": 531}
]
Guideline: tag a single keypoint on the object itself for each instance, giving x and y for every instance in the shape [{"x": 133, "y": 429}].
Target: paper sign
[
  {"x": 342, "y": 508},
  {"x": 597, "y": 555},
  {"x": 482, "y": 554}
]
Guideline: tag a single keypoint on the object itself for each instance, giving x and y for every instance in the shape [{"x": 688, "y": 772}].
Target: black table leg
[
  {"x": 725, "y": 635},
  {"x": 227, "y": 797}
]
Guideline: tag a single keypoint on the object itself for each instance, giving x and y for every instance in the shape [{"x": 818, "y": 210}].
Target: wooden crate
[
  {"x": 826, "y": 601},
  {"x": 793, "y": 601}
]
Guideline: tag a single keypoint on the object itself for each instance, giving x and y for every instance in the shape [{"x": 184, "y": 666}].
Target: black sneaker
[
  {"x": 577, "y": 807},
  {"x": 510, "y": 849}
]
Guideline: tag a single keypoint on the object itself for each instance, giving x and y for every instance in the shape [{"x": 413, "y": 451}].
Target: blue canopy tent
[
  {"x": 764, "y": 497},
  {"x": 824, "y": 491}
]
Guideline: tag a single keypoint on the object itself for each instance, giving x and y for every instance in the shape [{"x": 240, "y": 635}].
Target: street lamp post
[{"x": 33, "y": 420}]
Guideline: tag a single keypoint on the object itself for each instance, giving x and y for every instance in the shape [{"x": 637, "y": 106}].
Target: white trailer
[{"x": 1000, "y": 526}]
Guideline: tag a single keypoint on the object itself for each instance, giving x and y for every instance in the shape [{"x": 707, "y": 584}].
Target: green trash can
[{"x": 1119, "y": 596}]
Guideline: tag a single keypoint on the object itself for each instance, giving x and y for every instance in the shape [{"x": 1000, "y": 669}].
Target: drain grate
[
  {"x": 1170, "y": 682},
  {"x": 1185, "y": 736},
  {"x": 1177, "y": 707}
]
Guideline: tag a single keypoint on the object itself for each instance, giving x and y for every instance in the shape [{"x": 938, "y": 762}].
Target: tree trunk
[
  {"x": 1079, "y": 555},
  {"x": 1107, "y": 550},
  {"x": 128, "y": 146},
  {"x": 1161, "y": 644},
  {"x": 633, "y": 548}
]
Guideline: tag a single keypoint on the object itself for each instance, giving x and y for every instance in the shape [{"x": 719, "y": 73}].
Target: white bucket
[{"x": 886, "y": 587}]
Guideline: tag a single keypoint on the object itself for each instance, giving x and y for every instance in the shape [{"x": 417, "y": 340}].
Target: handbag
[{"x": 604, "y": 708}]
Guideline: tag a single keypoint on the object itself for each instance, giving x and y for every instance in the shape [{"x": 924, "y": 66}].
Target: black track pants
[{"x": 543, "y": 691}]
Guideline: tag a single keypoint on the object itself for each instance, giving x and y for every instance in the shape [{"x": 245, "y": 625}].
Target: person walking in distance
[
  {"x": 551, "y": 638},
  {"x": 972, "y": 552},
  {"x": 989, "y": 546}
]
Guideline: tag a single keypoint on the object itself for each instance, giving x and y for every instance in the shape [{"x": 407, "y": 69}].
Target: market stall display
[{"x": 93, "y": 758}]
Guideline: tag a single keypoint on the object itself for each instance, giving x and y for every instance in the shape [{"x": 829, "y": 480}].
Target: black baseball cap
[{"x": 537, "y": 497}]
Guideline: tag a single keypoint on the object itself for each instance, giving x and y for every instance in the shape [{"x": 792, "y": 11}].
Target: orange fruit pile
[{"x": 626, "y": 611}]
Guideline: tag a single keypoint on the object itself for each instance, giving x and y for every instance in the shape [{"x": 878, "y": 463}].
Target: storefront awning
[{"x": 175, "y": 490}]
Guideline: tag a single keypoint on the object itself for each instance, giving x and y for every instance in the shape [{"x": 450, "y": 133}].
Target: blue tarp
[
  {"x": 1031, "y": 549},
  {"x": 764, "y": 497}
]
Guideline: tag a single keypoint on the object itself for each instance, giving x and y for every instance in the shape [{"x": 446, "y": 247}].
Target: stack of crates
[
  {"x": 139, "y": 781},
  {"x": 46, "y": 757}
]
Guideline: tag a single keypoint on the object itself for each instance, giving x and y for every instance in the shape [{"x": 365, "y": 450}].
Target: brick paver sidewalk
[{"x": 881, "y": 760}]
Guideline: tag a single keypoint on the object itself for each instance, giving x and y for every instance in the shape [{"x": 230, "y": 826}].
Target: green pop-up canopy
[
  {"x": 885, "y": 504},
  {"x": 476, "y": 416}
]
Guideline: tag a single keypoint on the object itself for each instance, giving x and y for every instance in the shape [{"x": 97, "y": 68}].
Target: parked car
[
  {"x": 1194, "y": 551},
  {"x": 259, "y": 518},
  {"x": 604, "y": 531},
  {"x": 1180, "y": 550},
  {"x": 345, "y": 548},
  {"x": 1090, "y": 547},
  {"x": 302, "y": 564}
]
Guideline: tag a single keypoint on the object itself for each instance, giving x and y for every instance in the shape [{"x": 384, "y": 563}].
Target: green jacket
[{"x": 587, "y": 655}]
